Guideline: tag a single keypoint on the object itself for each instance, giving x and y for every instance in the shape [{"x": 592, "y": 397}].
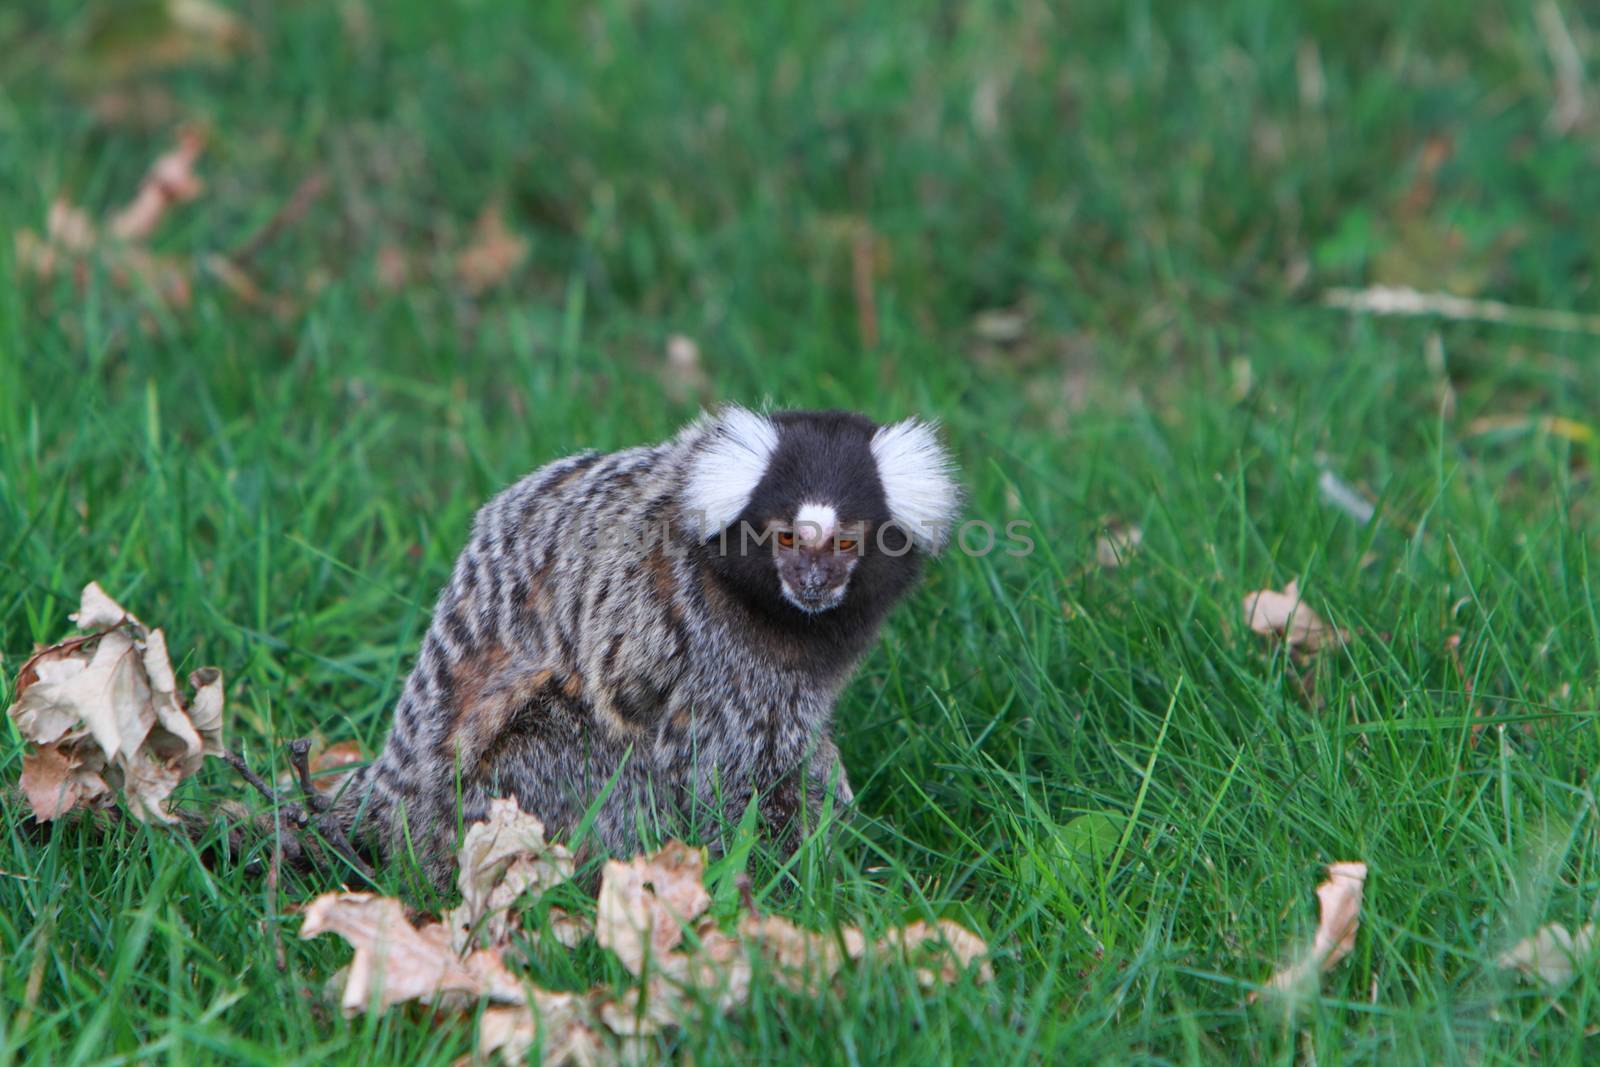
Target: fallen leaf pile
[
  {"x": 1339, "y": 900},
  {"x": 72, "y": 242},
  {"x": 1287, "y": 615},
  {"x": 103, "y": 716},
  {"x": 652, "y": 912}
]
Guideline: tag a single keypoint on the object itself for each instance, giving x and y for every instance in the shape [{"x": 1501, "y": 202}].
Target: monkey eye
[
  {"x": 786, "y": 538},
  {"x": 845, "y": 544}
]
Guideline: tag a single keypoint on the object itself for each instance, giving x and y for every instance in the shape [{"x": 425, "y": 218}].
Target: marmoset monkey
[{"x": 680, "y": 617}]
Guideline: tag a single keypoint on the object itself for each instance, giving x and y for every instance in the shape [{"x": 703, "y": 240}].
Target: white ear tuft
[
  {"x": 726, "y": 468},
  {"x": 919, "y": 481}
]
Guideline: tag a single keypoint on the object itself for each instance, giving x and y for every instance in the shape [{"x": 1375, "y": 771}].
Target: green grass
[{"x": 1163, "y": 190}]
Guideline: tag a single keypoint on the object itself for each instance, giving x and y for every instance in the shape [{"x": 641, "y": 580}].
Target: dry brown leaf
[
  {"x": 1552, "y": 955},
  {"x": 1339, "y": 904},
  {"x": 97, "y": 611},
  {"x": 501, "y": 858},
  {"x": 170, "y": 713},
  {"x": 803, "y": 960},
  {"x": 69, "y": 227},
  {"x": 170, "y": 180},
  {"x": 568, "y": 1038},
  {"x": 492, "y": 254},
  {"x": 567, "y": 928},
  {"x": 102, "y": 714},
  {"x": 950, "y": 945},
  {"x": 205, "y": 708},
  {"x": 714, "y": 971},
  {"x": 645, "y": 906},
  {"x": 165, "y": 278},
  {"x": 716, "y": 967},
  {"x": 57, "y": 779},
  {"x": 645, "y": 902},
  {"x": 1286, "y": 614},
  {"x": 72, "y": 240},
  {"x": 644, "y": 1012},
  {"x": 335, "y": 756},
  {"x": 101, "y": 687},
  {"x": 395, "y": 962}
]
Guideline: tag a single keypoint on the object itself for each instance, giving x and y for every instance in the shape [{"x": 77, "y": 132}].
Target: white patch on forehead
[
  {"x": 816, "y": 522},
  {"x": 919, "y": 481},
  {"x": 726, "y": 468}
]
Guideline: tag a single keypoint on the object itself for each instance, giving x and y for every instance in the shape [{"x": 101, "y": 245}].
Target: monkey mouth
[{"x": 813, "y": 603}]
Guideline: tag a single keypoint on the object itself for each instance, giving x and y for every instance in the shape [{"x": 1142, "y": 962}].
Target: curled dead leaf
[
  {"x": 170, "y": 180},
  {"x": 73, "y": 242},
  {"x": 802, "y": 960},
  {"x": 325, "y": 762},
  {"x": 1339, "y": 906},
  {"x": 396, "y": 962},
  {"x": 946, "y": 948},
  {"x": 1286, "y": 614},
  {"x": 501, "y": 858},
  {"x": 561, "y": 1020},
  {"x": 205, "y": 708},
  {"x": 645, "y": 903},
  {"x": 1552, "y": 955},
  {"x": 56, "y": 779},
  {"x": 97, "y": 611},
  {"x": 567, "y": 928},
  {"x": 69, "y": 227}
]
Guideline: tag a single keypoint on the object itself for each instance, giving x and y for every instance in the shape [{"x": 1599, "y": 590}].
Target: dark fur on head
[
  {"x": 821, "y": 458},
  {"x": 686, "y": 669}
]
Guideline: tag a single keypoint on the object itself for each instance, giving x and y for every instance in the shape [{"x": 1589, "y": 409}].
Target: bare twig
[
  {"x": 238, "y": 764},
  {"x": 299, "y": 750},
  {"x": 334, "y": 834},
  {"x": 746, "y": 896},
  {"x": 1341, "y": 494},
  {"x": 1400, "y": 300},
  {"x": 271, "y": 918},
  {"x": 293, "y": 210},
  {"x": 295, "y": 814},
  {"x": 1568, "y": 63}
]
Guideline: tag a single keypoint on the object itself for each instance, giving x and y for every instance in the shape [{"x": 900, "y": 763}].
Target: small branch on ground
[
  {"x": 293, "y": 210},
  {"x": 295, "y": 815},
  {"x": 1401, "y": 300}
]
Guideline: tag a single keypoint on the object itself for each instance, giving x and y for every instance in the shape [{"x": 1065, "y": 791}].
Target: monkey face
[
  {"x": 794, "y": 513},
  {"x": 815, "y": 555}
]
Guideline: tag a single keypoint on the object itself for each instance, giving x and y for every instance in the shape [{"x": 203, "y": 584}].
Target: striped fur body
[{"x": 590, "y": 630}]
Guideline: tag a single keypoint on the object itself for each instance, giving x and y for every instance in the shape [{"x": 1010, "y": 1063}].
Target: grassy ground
[{"x": 834, "y": 200}]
